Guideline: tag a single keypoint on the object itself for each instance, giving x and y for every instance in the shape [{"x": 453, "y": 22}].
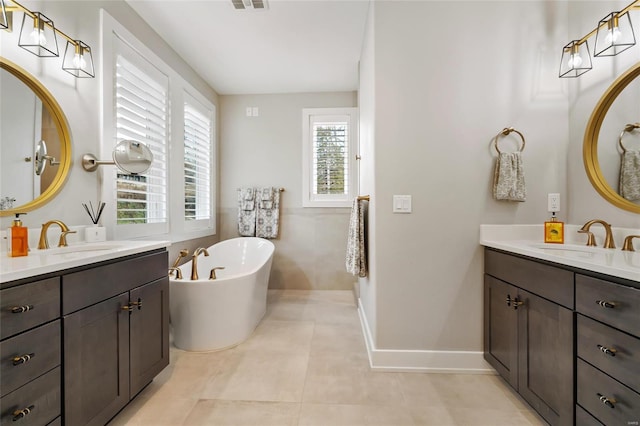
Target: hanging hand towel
[
  {"x": 629, "y": 186},
  {"x": 356, "y": 261},
  {"x": 246, "y": 212},
  {"x": 268, "y": 212},
  {"x": 508, "y": 181}
]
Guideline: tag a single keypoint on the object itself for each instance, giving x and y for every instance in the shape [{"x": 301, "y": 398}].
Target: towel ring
[
  {"x": 505, "y": 132},
  {"x": 628, "y": 128}
]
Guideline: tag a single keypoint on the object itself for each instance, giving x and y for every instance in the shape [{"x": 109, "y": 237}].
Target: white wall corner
[{"x": 421, "y": 361}]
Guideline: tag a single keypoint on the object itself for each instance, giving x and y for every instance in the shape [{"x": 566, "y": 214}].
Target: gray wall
[
  {"x": 433, "y": 97},
  {"x": 267, "y": 151}
]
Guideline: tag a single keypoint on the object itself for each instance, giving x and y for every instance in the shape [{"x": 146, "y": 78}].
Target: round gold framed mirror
[
  {"x": 30, "y": 114},
  {"x": 592, "y": 133}
]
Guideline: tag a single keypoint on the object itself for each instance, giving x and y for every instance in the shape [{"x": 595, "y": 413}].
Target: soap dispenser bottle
[
  {"x": 554, "y": 230},
  {"x": 18, "y": 238}
]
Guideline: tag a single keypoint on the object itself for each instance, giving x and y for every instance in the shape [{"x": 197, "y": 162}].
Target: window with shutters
[
  {"x": 146, "y": 100},
  {"x": 198, "y": 137},
  {"x": 330, "y": 137},
  {"x": 140, "y": 100}
]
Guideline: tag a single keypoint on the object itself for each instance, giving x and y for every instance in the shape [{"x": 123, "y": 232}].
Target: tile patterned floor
[{"x": 306, "y": 365}]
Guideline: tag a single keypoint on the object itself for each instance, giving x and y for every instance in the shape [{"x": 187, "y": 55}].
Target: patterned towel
[
  {"x": 629, "y": 185},
  {"x": 356, "y": 261},
  {"x": 267, "y": 219},
  {"x": 508, "y": 180},
  {"x": 246, "y": 212}
]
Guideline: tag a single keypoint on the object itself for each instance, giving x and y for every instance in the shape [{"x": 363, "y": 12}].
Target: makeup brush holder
[{"x": 94, "y": 234}]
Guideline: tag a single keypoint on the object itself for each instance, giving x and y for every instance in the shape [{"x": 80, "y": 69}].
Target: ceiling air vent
[{"x": 250, "y": 4}]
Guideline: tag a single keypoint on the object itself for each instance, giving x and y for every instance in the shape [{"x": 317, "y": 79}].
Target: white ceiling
[{"x": 294, "y": 46}]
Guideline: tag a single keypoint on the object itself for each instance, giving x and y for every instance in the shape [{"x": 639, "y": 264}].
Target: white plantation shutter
[
  {"x": 197, "y": 161},
  {"x": 330, "y": 143},
  {"x": 141, "y": 114}
]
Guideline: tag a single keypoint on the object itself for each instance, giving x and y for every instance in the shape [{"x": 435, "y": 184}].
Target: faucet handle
[
  {"x": 212, "y": 274},
  {"x": 591, "y": 241},
  {"x": 178, "y": 272},
  {"x": 63, "y": 238},
  {"x": 628, "y": 244}
]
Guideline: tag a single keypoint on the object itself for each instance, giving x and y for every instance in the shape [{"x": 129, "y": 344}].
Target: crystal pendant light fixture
[
  {"x": 4, "y": 21},
  {"x": 614, "y": 34},
  {"x": 576, "y": 59},
  {"x": 78, "y": 60},
  {"x": 38, "y": 35}
]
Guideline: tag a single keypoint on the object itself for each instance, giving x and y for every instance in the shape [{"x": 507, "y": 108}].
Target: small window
[
  {"x": 198, "y": 138},
  {"x": 330, "y": 146}
]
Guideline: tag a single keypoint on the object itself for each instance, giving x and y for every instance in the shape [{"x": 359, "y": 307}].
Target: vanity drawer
[
  {"x": 595, "y": 342},
  {"x": 543, "y": 280},
  {"x": 42, "y": 344},
  {"x": 29, "y": 305},
  {"x": 593, "y": 386},
  {"x": 41, "y": 397},
  {"x": 85, "y": 288},
  {"x": 611, "y": 303}
]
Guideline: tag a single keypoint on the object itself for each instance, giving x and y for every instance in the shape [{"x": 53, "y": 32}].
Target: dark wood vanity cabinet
[
  {"x": 116, "y": 346},
  {"x": 529, "y": 333},
  {"x": 78, "y": 346}
]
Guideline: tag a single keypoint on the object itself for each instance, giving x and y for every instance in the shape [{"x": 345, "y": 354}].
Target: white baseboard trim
[{"x": 459, "y": 362}]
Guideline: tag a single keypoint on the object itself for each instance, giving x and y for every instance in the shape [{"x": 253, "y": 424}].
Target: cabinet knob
[
  {"x": 517, "y": 303},
  {"x": 606, "y": 304},
  {"x": 609, "y": 402},
  {"x": 608, "y": 351},
  {"x": 17, "y": 360},
  {"x": 21, "y": 309},
  {"x": 18, "y": 414},
  {"x": 138, "y": 304},
  {"x": 509, "y": 300}
]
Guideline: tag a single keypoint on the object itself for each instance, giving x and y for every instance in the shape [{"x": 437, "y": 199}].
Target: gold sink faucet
[
  {"x": 194, "y": 262},
  {"x": 628, "y": 245},
  {"x": 43, "y": 243},
  {"x": 212, "y": 274},
  {"x": 608, "y": 239}
]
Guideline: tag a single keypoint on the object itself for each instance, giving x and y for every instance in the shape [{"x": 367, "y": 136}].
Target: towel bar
[
  {"x": 628, "y": 128},
  {"x": 363, "y": 197},
  {"x": 505, "y": 132}
]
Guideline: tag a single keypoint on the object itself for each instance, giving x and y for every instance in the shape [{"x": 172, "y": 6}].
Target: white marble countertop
[
  {"x": 528, "y": 240},
  {"x": 57, "y": 259}
]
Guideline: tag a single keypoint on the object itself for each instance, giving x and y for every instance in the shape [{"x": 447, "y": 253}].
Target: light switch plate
[{"x": 402, "y": 204}]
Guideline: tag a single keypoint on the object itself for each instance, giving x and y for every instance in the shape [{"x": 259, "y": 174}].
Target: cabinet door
[
  {"x": 149, "y": 323},
  {"x": 500, "y": 329},
  {"x": 96, "y": 360},
  {"x": 545, "y": 358}
]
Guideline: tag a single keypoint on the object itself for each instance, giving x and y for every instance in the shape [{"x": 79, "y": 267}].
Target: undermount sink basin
[
  {"x": 568, "y": 248},
  {"x": 84, "y": 249}
]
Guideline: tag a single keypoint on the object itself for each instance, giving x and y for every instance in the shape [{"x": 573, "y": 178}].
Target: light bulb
[
  {"x": 38, "y": 37},
  {"x": 78, "y": 61},
  {"x": 613, "y": 35},
  {"x": 574, "y": 60}
]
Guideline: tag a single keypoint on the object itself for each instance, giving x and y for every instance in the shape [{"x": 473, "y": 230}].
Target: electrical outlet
[{"x": 553, "y": 203}]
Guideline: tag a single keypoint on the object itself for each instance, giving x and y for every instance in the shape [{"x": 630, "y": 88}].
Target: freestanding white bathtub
[{"x": 208, "y": 315}]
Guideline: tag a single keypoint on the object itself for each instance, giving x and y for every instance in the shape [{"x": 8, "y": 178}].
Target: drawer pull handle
[
  {"x": 21, "y": 309},
  {"x": 18, "y": 414},
  {"x": 606, "y": 304},
  {"x": 609, "y": 402},
  {"x": 608, "y": 351},
  {"x": 17, "y": 360}
]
